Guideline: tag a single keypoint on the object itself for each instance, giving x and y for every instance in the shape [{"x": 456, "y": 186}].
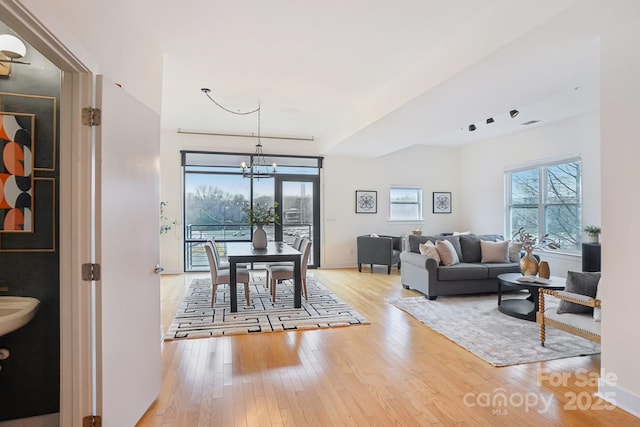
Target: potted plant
[
  {"x": 593, "y": 233},
  {"x": 261, "y": 215},
  {"x": 528, "y": 263}
]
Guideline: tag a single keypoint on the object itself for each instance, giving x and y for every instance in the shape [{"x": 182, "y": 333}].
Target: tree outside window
[{"x": 547, "y": 199}]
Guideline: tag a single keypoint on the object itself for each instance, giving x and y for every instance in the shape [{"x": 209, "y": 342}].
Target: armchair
[
  {"x": 381, "y": 250},
  {"x": 581, "y": 324}
]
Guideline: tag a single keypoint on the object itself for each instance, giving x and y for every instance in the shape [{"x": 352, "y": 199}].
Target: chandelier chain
[
  {"x": 239, "y": 113},
  {"x": 258, "y": 167}
]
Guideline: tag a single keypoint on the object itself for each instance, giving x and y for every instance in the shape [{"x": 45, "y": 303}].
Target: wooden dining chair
[
  {"x": 220, "y": 276},
  {"x": 282, "y": 272}
]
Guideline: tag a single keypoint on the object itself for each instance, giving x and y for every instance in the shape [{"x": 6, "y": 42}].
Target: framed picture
[
  {"x": 366, "y": 201},
  {"x": 16, "y": 180},
  {"x": 441, "y": 202}
]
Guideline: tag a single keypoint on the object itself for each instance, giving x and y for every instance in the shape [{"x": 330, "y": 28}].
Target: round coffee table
[{"x": 523, "y": 308}]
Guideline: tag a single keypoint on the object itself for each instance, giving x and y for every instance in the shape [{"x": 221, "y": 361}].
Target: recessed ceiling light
[
  {"x": 514, "y": 113},
  {"x": 490, "y": 120},
  {"x": 472, "y": 127}
]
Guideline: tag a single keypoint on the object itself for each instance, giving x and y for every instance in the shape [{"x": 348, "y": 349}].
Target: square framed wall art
[
  {"x": 366, "y": 201},
  {"x": 441, "y": 202}
]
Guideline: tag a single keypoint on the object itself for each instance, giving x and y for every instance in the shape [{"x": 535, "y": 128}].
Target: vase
[
  {"x": 528, "y": 264},
  {"x": 593, "y": 238},
  {"x": 543, "y": 270},
  {"x": 260, "y": 238}
]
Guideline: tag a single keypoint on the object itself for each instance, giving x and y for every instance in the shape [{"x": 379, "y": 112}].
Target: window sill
[{"x": 558, "y": 254}]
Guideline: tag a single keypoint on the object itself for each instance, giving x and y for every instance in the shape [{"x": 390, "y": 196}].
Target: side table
[{"x": 591, "y": 257}]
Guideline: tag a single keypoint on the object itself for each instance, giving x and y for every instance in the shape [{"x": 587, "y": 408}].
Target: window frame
[
  {"x": 419, "y": 203},
  {"x": 541, "y": 167},
  {"x": 226, "y": 164}
]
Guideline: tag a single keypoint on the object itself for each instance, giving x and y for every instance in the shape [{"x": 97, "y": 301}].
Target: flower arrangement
[
  {"x": 262, "y": 214},
  {"x": 531, "y": 242}
]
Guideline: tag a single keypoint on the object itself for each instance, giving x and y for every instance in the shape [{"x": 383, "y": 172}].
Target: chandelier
[{"x": 258, "y": 166}]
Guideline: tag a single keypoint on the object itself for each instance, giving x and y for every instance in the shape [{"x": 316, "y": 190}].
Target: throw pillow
[
  {"x": 447, "y": 253},
  {"x": 494, "y": 251},
  {"x": 416, "y": 241},
  {"x": 514, "y": 251},
  {"x": 455, "y": 241},
  {"x": 583, "y": 284},
  {"x": 429, "y": 249},
  {"x": 470, "y": 245},
  {"x": 373, "y": 235},
  {"x": 461, "y": 233}
]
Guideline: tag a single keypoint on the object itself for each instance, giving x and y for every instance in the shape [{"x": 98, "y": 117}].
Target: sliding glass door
[{"x": 299, "y": 210}]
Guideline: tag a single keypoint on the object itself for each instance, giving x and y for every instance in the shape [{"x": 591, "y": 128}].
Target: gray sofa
[{"x": 470, "y": 276}]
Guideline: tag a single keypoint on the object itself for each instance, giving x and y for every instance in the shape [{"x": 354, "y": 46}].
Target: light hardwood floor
[{"x": 395, "y": 371}]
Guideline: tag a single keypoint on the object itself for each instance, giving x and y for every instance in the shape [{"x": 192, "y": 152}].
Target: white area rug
[
  {"x": 474, "y": 322},
  {"x": 196, "y": 319}
]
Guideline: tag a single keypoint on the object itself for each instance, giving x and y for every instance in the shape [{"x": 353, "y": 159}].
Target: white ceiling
[{"x": 369, "y": 78}]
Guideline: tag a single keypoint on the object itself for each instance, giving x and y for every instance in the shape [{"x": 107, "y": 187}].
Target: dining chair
[
  {"x": 220, "y": 276},
  {"x": 297, "y": 243},
  {"x": 221, "y": 264},
  {"x": 282, "y": 272}
]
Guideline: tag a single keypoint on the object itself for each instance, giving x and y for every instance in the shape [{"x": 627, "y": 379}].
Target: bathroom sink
[{"x": 15, "y": 312}]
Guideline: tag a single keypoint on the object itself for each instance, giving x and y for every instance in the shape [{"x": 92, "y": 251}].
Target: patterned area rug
[
  {"x": 196, "y": 319},
  {"x": 474, "y": 322}
]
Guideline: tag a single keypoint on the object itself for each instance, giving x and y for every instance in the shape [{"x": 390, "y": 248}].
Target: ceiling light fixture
[
  {"x": 258, "y": 167},
  {"x": 472, "y": 127},
  {"x": 490, "y": 120},
  {"x": 514, "y": 113},
  {"x": 12, "y": 48}
]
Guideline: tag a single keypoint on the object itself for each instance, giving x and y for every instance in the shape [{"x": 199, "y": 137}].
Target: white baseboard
[{"x": 619, "y": 396}]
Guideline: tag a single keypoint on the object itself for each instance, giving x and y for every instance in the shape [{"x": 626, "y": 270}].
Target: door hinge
[
  {"x": 91, "y": 116},
  {"x": 92, "y": 421},
  {"x": 90, "y": 272}
]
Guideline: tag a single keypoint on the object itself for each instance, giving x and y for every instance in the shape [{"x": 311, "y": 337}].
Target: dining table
[{"x": 244, "y": 252}]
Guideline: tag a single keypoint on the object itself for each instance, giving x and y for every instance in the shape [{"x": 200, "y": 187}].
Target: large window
[
  {"x": 546, "y": 199},
  {"x": 405, "y": 204},
  {"x": 215, "y": 193}
]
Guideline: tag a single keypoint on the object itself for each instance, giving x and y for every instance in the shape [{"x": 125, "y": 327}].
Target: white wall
[
  {"x": 482, "y": 175},
  {"x": 620, "y": 109},
  {"x": 432, "y": 168}
]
